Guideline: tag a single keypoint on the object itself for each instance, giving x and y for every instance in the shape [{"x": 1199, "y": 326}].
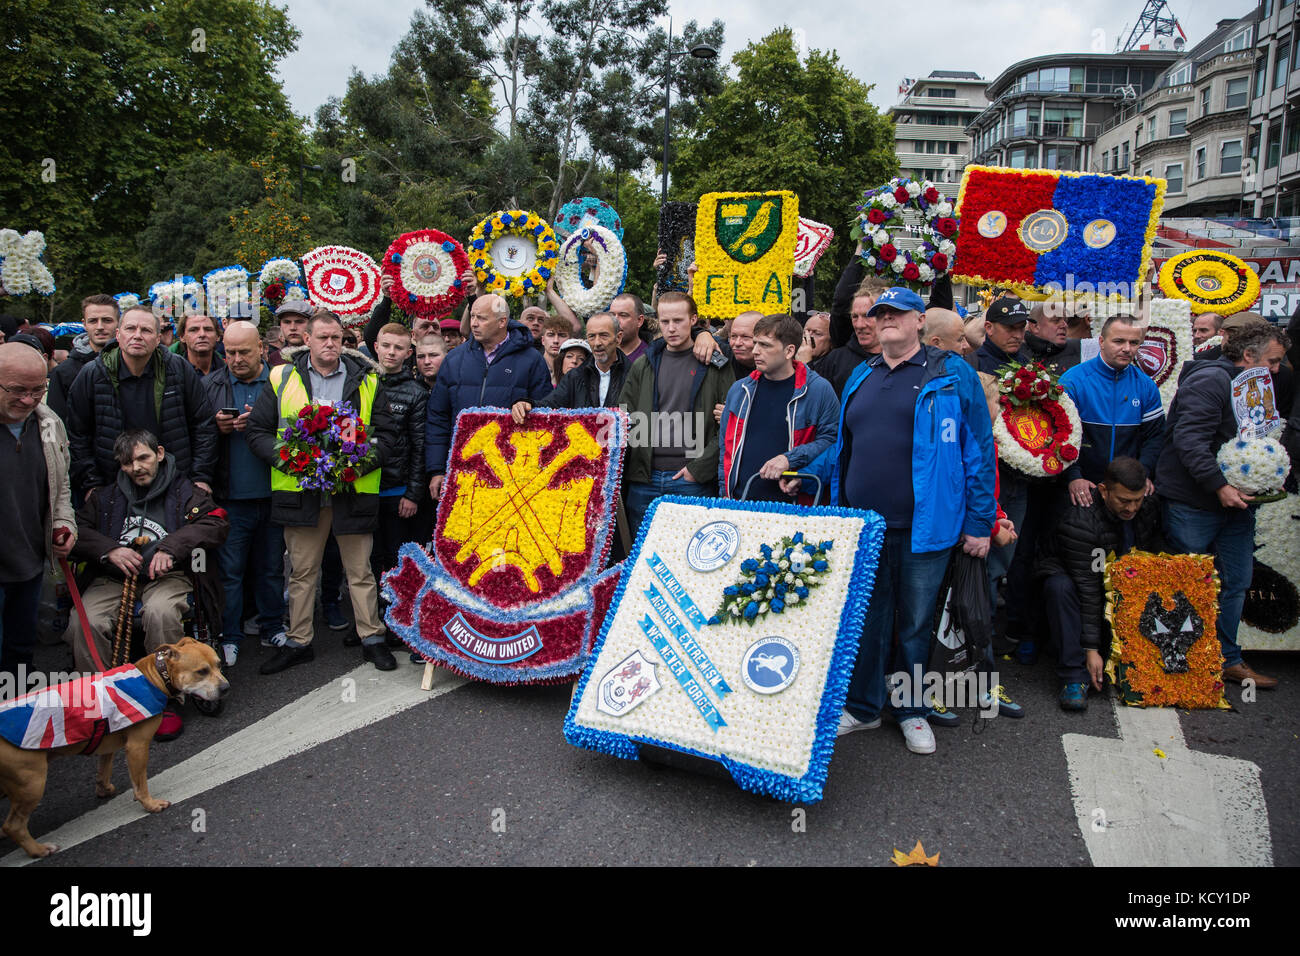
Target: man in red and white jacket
[{"x": 776, "y": 419}]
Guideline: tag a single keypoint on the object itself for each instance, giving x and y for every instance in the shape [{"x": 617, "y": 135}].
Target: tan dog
[{"x": 188, "y": 667}]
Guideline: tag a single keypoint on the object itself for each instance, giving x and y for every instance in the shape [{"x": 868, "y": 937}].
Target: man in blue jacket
[
  {"x": 1119, "y": 406},
  {"x": 498, "y": 366},
  {"x": 915, "y": 444}
]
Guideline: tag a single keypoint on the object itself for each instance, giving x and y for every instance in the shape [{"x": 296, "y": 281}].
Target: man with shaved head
[
  {"x": 944, "y": 329},
  {"x": 242, "y": 486},
  {"x": 35, "y": 498}
]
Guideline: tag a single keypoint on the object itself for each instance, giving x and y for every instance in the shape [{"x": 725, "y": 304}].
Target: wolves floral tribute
[
  {"x": 513, "y": 592},
  {"x": 759, "y": 685}
]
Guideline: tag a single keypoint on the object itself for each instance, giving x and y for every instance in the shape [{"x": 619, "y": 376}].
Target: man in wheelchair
[{"x": 153, "y": 536}]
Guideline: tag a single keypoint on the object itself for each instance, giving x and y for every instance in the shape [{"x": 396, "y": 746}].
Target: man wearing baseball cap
[
  {"x": 933, "y": 492},
  {"x": 292, "y": 316},
  {"x": 451, "y": 333}
]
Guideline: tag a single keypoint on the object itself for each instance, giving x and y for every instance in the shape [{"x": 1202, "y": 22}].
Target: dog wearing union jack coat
[{"x": 97, "y": 714}]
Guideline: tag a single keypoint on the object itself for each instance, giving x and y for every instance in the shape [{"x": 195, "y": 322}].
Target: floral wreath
[
  {"x": 677, "y": 242},
  {"x": 1212, "y": 281},
  {"x": 881, "y": 217},
  {"x": 275, "y": 278},
  {"x": 780, "y": 576},
  {"x": 426, "y": 268},
  {"x": 611, "y": 259},
  {"x": 21, "y": 269},
  {"x": 164, "y": 296},
  {"x": 126, "y": 300},
  {"x": 223, "y": 288},
  {"x": 526, "y": 225},
  {"x": 586, "y": 210},
  {"x": 1032, "y": 402},
  {"x": 1258, "y": 466},
  {"x": 342, "y": 279}
]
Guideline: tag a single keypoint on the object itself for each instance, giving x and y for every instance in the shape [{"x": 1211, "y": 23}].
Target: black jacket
[
  {"x": 66, "y": 373},
  {"x": 1055, "y": 358},
  {"x": 407, "y": 398},
  {"x": 838, "y": 364},
  {"x": 580, "y": 388},
  {"x": 353, "y": 513},
  {"x": 95, "y": 419},
  {"x": 1200, "y": 420},
  {"x": 1083, "y": 538}
]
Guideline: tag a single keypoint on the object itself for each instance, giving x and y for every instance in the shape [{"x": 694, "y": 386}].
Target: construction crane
[{"x": 1159, "y": 21}]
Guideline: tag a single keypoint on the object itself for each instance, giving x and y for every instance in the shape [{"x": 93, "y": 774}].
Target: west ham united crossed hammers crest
[{"x": 513, "y": 591}]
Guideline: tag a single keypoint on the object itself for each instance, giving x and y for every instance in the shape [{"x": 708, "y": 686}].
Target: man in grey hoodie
[{"x": 99, "y": 316}]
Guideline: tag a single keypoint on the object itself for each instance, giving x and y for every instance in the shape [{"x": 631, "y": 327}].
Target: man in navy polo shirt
[{"x": 916, "y": 445}]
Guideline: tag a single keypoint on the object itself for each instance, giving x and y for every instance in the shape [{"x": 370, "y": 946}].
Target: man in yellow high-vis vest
[{"x": 325, "y": 372}]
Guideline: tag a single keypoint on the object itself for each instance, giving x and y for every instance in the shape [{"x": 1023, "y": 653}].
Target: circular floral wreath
[
  {"x": 589, "y": 209},
  {"x": 881, "y": 217},
  {"x": 516, "y": 222},
  {"x": 1212, "y": 281},
  {"x": 426, "y": 267},
  {"x": 342, "y": 279},
  {"x": 1258, "y": 466},
  {"x": 1030, "y": 392},
  {"x": 611, "y": 273}
]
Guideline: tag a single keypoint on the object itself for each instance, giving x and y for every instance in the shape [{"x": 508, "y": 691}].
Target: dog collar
[{"x": 160, "y": 662}]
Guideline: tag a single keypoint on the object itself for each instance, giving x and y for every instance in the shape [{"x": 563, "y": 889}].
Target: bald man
[
  {"x": 254, "y": 545},
  {"x": 944, "y": 329},
  {"x": 35, "y": 499}
]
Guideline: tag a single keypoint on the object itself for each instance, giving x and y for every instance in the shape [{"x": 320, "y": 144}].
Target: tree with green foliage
[
  {"x": 98, "y": 105},
  {"x": 785, "y": 124}
]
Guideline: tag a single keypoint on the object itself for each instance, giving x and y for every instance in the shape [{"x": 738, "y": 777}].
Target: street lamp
[
  {"x": 301, "y": 168},
  {"x": 701, "y": 51}
]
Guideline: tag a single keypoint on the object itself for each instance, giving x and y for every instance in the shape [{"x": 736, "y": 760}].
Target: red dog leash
[{"x": 61, "y": 535}]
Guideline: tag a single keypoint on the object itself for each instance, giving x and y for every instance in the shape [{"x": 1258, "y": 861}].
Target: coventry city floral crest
[
  {"x": 759, "y": 685},
  {"x": 513, "y": 591}
]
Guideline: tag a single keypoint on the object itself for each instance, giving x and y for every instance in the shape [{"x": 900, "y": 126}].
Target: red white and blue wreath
[
  {"x": 426, "y": 268},
  {"x": 901, "y": 207}
]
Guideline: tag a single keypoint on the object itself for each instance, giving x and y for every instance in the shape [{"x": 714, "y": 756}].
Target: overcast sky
[{"x": 985, "y": 37}]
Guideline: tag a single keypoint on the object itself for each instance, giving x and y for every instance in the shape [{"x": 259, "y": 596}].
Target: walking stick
[{"x": 122, "y": 633}]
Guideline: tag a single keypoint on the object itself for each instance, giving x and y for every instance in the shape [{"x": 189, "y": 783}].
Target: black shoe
[
  {"x": 352, "y": 639},
  {"x": 380, "y": 656},
  {"x": 287, "y": 656},
  {"x": 392, "y": 640},
  {"x": 417, "y": 659}
]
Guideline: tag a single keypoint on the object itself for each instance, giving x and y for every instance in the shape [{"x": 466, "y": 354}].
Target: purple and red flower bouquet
[{"x": 325, "y": 448}]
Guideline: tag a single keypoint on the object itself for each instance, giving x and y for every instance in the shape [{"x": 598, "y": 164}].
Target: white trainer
[
  {"x": 918, "y": 735},
  {"x": 276, "y": 640},
  {"x": 849, "y": 723},
  {"x": 229, "y": 654}
]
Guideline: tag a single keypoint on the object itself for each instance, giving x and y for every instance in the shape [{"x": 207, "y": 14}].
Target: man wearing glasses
[{"x": 34, "y": 497}]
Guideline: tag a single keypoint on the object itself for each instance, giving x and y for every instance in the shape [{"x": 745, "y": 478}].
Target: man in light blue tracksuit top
[{"x": 933, "y": 484}]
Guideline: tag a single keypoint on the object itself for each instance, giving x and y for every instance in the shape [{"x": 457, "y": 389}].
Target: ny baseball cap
[
  {"x": 901, "y": 298},
  {"x": 1007, "y": 311}
]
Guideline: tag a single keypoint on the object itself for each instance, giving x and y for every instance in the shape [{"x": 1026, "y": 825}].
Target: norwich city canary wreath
[
  {"x": 1212, "y": 281},
  {"x": 527, "y": 226},
  {"x": 611, "y": 270},
  {"x": 882, "y": 217},
  {"x": 426, "y": 268},
  {"x": 1038, "y": 430}
]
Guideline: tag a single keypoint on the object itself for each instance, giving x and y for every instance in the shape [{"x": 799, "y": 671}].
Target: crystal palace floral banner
[
  {"x": 732, "y": 637},
  {"x": 513, "y": 591}
]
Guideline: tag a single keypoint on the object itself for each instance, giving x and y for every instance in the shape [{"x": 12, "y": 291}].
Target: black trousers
[
  {"x": 393, "y": 531},
  {"x": 1065, "y": 625}
]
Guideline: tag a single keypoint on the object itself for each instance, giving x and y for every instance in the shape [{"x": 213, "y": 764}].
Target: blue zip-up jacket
[
  {"x": 810, "y": 420},
  {"x": 953, "y": 464},
  {"x": 1122, "y": 417},
  {"x": 465, "y": 380}
]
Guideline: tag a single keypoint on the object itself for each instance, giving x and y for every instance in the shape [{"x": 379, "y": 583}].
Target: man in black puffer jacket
[
  {"x": 135, "y": 383},
  {"x": 498, "y": 366},
  {"x": 1072, "y": 561},
  {"x": 583, "y": 387}
]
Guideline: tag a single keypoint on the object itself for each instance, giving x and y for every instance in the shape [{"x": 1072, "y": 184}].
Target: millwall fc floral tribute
[
  {"x": 759, "y": 689},
  {"x": 1162, "y": 610},
  {"x": 744, "y": 250},
  {"x": 1038, "y": 232},
  {"x": 325, "y": 448},
  {"x": 906, "y": 207},
  {"x": 513, "y": 591},
  {"x": 342, "y": 279},
  {"x": 1038, "y": 429}
]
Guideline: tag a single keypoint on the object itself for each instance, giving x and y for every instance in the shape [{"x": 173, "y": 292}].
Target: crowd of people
[{"x": 149, "y": 455}]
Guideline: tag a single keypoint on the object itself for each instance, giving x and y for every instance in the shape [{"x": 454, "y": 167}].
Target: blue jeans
[
  {"x": 254, "y": 546},
  {"x": 637, "y": 498},
  {"x": 906, "y": 589},
  {"x": 20, "y": 603},
  {"x": 1228, "y": 534}
]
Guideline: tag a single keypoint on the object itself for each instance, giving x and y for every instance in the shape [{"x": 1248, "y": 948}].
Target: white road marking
[
  {"x": 1187, "y": 809},
  {"x": 312, "y": 719}
]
